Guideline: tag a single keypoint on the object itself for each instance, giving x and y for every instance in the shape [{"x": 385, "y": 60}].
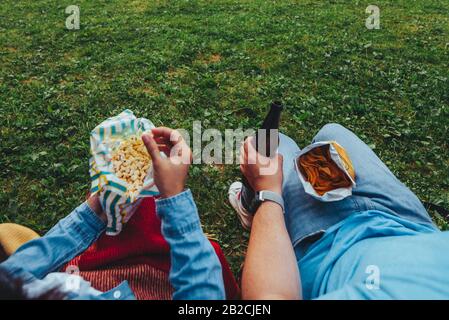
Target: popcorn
[{"x": 131, "y": 163}]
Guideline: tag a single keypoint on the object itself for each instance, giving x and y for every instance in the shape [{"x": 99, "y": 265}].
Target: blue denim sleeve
[
  {"x": 67, "y": 239},
  {"x": 195, "y": 269}
]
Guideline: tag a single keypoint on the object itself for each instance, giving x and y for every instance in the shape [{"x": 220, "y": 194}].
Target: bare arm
[{"x": 270, "y": 270}]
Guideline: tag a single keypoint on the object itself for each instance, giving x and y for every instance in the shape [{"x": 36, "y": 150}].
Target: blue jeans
[{"x": 376, "y": 189}]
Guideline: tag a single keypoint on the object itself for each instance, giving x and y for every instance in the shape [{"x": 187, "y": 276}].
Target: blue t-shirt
[{"x": 375, "y": 255}]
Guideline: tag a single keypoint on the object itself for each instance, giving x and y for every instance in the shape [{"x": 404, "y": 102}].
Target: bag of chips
[
  {"x": 120, "y": 167},
  {"x": 326, "y": 171}
]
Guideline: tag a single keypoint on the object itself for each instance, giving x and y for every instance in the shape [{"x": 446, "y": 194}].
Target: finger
[
  {"x": 167, "y": 135},
  {"x": 242, "y": 155},
  {"x": 244, "y": 152},
  {"x": 245, "y": 144},
  {"x": 165, "y": 149},
  {"x": 152, "y": 147},
  {"x": 245, "y": 157},
  {"x": 250, "y": 151},
  {"x": 160, "y": 139},
  {"x": 280, "y": 159},
  {"x": 181, "y": 154},
  {"x": 251, "y": 144},
  {"x": 161, "y": 132}
]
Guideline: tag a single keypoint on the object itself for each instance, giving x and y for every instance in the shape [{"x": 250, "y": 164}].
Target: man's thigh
[
  {"x": 305, "y": 216},
  {"x": 376, "y": 188},
  {"x": 374, "y": 181}
]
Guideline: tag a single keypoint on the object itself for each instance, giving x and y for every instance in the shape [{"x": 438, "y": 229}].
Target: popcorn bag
[
  {"x": 325, "y": 171},
  {"x": 120, "y": 167}
]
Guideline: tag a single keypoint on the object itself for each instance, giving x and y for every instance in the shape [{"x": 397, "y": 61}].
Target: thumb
[
  {"x": 280, "y": 159},
  {"x": 152, "y": 147}
]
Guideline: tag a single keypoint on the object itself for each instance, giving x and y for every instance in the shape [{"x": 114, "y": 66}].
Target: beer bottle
[{"x": 270, "y": 123}]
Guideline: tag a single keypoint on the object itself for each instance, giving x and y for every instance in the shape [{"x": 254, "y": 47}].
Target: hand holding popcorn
[{"x": 170, "y": 173}]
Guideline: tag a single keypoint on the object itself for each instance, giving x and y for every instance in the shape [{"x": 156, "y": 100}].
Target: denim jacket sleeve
[
  {"x": 195, "y": 272},
  {"x": 67, "y": 239}
]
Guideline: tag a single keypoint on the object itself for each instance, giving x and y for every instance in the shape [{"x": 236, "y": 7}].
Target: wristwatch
[{"x": 266, "y": 195}]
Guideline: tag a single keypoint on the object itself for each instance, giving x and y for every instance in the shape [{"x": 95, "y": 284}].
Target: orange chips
[{"x": 318, "y": 168}]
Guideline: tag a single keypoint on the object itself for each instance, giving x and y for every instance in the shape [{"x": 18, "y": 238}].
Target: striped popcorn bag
[{"x": 116, "y": 198}]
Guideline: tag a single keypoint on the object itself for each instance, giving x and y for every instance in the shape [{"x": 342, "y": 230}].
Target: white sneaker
[{"x": 246, "y": 218}]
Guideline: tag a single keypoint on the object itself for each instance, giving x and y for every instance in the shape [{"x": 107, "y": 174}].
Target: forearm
[
  {"x": 270, "y": 270},
  {"x": 196, "y": 272},
  {"x": 68, "y": 238}
]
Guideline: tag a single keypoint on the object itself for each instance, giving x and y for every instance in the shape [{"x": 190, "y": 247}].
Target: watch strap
[{"x": 266, "y": 195}]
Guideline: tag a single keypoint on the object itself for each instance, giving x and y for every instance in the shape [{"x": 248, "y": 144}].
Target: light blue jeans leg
[
  {"x": 377, "y": 189},
  {"x": 374, "y": 180}
]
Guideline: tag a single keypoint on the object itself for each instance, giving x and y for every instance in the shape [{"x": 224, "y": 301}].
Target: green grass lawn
[{"x": 221, "y": 62}]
